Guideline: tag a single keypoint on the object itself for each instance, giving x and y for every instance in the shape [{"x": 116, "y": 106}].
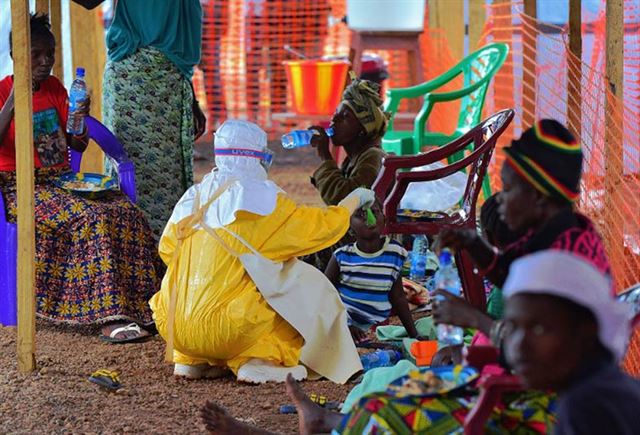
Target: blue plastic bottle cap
[
  {"x": 329, "y": 131},
  {"x": 445, "y": 258},
  {"x": 79, "y": 72}
]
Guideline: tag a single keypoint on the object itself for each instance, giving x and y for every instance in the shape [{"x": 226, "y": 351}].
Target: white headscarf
[
  {"x": 565, "y": 275},
  {"x": 242, "y": 143}
]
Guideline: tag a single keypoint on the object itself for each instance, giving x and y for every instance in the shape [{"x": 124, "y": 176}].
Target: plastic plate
[
  {"x": 87, "y": 184},
  {"x": 436, "y": 381}
]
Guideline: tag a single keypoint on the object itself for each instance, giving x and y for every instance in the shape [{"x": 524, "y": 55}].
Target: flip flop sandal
[
  {"x": 106, "y": 379},
  {"x": 370, "y": 344},
  {"x": 141, "y": 334},
  {"x": 320, "y": 400},
  {"x": 150, "y": 328}
]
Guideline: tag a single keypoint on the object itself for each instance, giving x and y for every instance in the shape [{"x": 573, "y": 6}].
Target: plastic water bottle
[
  {"x": 380, "y": 358},
  {"x": 417, "y": 272},
  {"x": 446, "y": 278},
  {"x": 77, "y": 94},
  {"x": 301, "y": 138}
]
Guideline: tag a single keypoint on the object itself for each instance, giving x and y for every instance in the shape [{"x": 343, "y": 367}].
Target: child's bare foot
[
  {"x": 218, "y": 421},
  {"x": 313, "y": 418}
]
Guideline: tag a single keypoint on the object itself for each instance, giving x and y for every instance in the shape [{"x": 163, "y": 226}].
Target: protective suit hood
[{"x": 241, "y": 149}]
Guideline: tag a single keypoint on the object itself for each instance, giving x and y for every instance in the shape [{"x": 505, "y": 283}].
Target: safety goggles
[{"x": 265, "y": 156}]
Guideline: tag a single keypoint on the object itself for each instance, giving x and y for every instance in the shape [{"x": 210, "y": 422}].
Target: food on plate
[
  {"x": 81, "y": 185},
  {"x": 417, "y": 384}
]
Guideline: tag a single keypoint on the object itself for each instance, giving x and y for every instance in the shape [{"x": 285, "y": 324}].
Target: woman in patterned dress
[
  {"x": 96, "y": 260},
  {"x": 148, "y": 99}
]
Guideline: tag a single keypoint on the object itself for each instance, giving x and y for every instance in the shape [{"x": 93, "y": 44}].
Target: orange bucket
[
  {"x": 315, "y": 86},
  {"x": 423, "y": 351}
]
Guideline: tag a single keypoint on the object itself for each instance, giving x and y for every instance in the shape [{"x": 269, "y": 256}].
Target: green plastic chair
[{"x": 477, "y": 70}]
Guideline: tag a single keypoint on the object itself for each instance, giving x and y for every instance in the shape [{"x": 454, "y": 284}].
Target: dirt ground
[{"x": 57, "y": 398}]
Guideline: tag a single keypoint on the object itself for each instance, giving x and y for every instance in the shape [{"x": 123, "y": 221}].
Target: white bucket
[{"x": 386, "y": 15}]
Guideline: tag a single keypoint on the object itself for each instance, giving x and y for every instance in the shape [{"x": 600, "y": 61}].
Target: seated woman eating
[
  {"x": 359, "y": 124},
  {"x": 541, "y": 182},
  {"x": 496, "y": 232},
  {"x": 564, "y": 333},
  {"x": 96, "y": 260}
]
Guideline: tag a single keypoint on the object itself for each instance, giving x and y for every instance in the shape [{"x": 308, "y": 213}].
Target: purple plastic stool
[
  {"x": 8, "y": 231},
  {"x": 8, "y": 269}
]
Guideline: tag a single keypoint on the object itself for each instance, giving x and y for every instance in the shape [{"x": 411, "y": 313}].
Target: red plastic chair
[
  {"x": 492, "y": 387},
  {"x": 394, "y": 178}
]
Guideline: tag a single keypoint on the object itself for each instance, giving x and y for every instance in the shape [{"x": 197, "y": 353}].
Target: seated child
[{"x": 367, "y": 274}]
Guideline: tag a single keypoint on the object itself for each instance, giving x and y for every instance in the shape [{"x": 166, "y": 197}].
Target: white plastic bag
[{"x": 436, "y": 195}]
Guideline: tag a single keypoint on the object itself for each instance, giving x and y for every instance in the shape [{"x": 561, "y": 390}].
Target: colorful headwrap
[
  {"x": 549, "y": 158},
  {"x": 363, "y": 98}
]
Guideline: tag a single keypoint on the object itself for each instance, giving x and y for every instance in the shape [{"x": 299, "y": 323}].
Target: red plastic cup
[{"x": 423, "y": 351}]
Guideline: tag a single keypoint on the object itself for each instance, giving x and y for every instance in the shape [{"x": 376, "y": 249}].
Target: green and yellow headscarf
[{"x": 363, "y": 98}]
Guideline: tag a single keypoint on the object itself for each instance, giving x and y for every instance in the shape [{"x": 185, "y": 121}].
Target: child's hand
[{"x": 357, "y": 334}]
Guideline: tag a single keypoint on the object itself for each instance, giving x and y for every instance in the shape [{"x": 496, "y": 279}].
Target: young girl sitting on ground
[{"x": 367, "y": 274}]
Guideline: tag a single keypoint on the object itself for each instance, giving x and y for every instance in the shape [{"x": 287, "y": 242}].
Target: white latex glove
[{"x": 360, "y": 197}]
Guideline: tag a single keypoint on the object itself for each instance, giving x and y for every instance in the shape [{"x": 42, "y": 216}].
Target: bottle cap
[
  {"x": 445, "y": 258},
  {"x": 79, "y": 72}
]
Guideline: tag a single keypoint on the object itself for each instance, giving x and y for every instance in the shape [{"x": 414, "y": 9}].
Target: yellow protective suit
[{"x": 221, "y": 317}]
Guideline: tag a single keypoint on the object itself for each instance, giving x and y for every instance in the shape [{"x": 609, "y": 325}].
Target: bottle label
[{"x": 74, "y": 102}]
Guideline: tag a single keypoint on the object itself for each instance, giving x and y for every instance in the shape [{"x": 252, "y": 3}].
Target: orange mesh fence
[
  {"x": 243, "y": 50},
  {"x": 244, "y": 46},
  {"x": 543, "y": 79}
]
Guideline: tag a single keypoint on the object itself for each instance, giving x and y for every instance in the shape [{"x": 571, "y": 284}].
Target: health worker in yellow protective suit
[{"x": 228, "y": 239}]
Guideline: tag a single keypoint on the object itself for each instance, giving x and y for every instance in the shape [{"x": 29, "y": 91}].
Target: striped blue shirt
[{"x": 365, "y": 281}]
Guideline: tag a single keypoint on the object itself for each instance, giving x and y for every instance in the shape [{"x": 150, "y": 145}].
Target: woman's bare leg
[
  {"x": 218, "y": 421},
  {"x": 312, "y": 418}
]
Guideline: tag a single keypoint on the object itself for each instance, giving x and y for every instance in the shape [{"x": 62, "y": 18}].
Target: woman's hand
[
  {"x": 320, "y": 142},
  {"x": 6, "y": 115},
  {"x": 455, "y": 239},
  {"x": 453, "y": 310},
  {"x": 10, "y": 103},
  {"x": 84, "y": 106},
  {"x": 450, "y": 355},
  {"x": 199, "y": 120}
]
